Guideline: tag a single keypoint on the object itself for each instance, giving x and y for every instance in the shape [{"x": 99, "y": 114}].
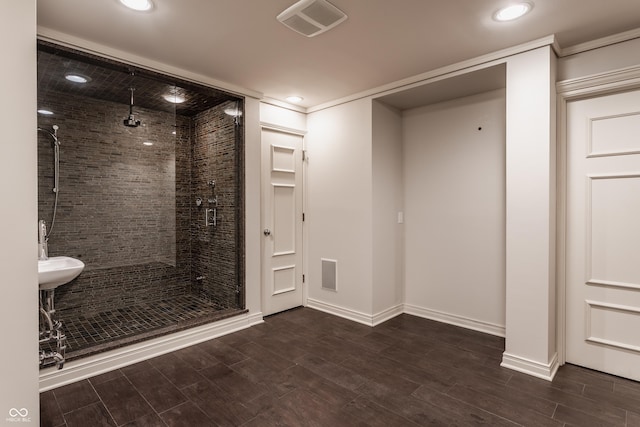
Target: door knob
[{"x": 267, "y": 232}]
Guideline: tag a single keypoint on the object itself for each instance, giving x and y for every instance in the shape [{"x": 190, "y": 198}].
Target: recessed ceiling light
[
  {"x": 147, "y": 143},
  {"x": 139, "y": 5},
  {"x": 77, "y": 78},
  {"x": 512, "y": 12},
  {"x": 294, "y": 98},
  {"x": 233, "y": 111},
  {"x": 173, "y": 98},
  {"x": 45, "y": 111}
]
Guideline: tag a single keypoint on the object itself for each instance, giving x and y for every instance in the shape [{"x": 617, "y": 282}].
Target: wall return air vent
[{"x": 312, "y": 17}]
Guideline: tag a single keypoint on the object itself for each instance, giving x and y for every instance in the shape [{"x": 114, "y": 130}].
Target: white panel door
[
  {"x": 281, "y": 220},
  {"x": 603, "y": 234}
]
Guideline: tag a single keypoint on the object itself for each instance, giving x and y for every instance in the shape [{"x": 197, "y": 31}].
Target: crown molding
[
  {"x": 601, "y": 42},
  {"x": 282, "y": 104}
]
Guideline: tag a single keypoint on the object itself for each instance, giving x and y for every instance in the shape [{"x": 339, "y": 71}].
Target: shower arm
[{"x": 131, "y": 103}]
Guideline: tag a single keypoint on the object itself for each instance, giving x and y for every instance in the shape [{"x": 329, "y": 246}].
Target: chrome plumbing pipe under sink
[{"x": 43, "y": 247}]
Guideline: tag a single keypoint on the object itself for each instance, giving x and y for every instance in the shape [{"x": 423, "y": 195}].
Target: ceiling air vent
[{"x": 312, "y": 17}]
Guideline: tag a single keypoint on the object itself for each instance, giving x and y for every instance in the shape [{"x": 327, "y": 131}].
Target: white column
[
  {"x": 253, "y": 233},
  {"x": 530, "y": 216},
  {"x": 18, "y": 214}
]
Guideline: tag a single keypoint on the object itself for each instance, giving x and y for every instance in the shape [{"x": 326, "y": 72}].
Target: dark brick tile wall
[
  {"x": 111, "y": 288},
  {"x": 117, "y": 196},
  {"x": 128, "y": 210},
  {"x": 215, "y": 248}
]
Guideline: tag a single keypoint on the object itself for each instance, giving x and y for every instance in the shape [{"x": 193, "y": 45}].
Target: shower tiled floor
[{"x": 119, "y": 327}]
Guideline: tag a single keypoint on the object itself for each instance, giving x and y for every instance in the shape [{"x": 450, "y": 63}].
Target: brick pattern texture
[{"x": 128, "y": 210}]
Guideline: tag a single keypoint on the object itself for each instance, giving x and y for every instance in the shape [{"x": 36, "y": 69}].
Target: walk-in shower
[{"x": 155, "y": 260}]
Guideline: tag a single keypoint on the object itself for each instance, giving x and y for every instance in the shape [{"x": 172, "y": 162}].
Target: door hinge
[
  {"x": 303, "y": 278},
  {"x": 303, "y": 216},
  {"x": 304, "y": 155}
]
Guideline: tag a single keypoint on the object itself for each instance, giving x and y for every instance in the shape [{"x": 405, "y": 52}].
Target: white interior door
[
  {"x": 603, "y": 234},
  {"x": 282, "y": 220}
]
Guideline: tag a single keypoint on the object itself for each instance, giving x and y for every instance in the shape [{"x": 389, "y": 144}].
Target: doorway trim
[
  {"x": 305, "y": 283},
  {"x": 620, "y": 80}
]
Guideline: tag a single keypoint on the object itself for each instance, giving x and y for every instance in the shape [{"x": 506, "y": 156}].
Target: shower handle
[{"x": 211, "y": 217}]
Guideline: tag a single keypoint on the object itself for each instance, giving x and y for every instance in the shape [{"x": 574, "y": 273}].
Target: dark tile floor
[
  {"x": 87, "y": 335},
  {"x": 307, "y": 368}
]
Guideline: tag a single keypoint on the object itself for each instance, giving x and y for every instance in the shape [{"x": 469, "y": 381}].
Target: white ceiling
[{"x": 241, "y": 42}]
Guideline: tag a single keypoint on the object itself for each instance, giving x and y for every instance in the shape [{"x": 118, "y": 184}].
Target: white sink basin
[{"x": 57, "y": 271}]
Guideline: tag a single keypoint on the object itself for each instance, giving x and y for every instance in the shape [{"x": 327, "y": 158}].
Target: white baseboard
[
  {"x": 345, "y": 313},
  {"x": 453, "y": 319},
  {"x": 387, "y": 314},
  {"x": 104, "y": 362},
  {"x": 356, "y": 316},
  {"x": 546, "y": 371}
]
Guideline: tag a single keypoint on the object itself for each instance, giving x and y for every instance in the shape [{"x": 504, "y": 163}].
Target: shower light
[
  {"x": 173, "y": 98},
  {"x": 45, "y": 112},
  {"x": 77, "y": 78},
  {"x": 512, "y": 12},
  {"x": 139, "y": 5},
  {"x": 233, "y": 111}
]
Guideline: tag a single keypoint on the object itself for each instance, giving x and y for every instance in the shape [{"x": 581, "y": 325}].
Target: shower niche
[{"x": 137, "y": 150}]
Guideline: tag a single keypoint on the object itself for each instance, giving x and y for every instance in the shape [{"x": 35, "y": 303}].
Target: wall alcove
[{"x": 443, "y": 143}]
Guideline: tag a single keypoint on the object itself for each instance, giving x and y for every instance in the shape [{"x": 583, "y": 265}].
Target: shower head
[{"x": 131, "y": 120}]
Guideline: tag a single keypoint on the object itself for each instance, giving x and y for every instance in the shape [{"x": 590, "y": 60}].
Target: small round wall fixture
[
  {"x": 233, "y": 111},
  {"x": 139, "y": 5},
  {"x": 513, "y": 12}
]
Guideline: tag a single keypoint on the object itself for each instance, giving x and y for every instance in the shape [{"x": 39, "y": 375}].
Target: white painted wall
[
  {"x": 252, "y": 206},
  {"x": 620, "y": 55},
  {"x": 339, "y": 191},
  {"x": 454, "y": 178},
  {"x": 18, "y": 214},
  {"x": 282, "y": 117},
  {"x": 530, "y": 204},
  {"x": 388, "y": 202}
]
